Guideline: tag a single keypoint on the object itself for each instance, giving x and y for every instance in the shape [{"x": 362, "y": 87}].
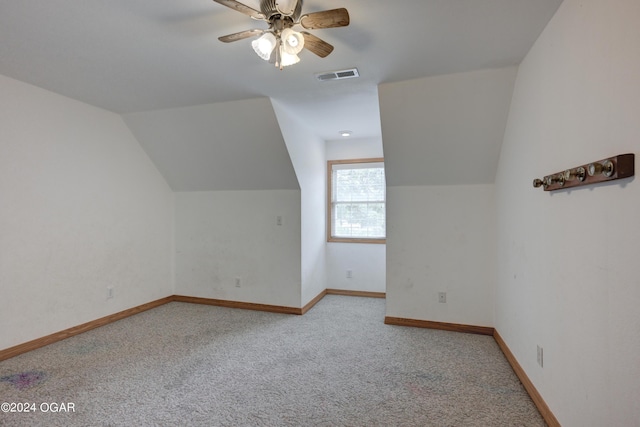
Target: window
[{"x": 356, "y": 201}]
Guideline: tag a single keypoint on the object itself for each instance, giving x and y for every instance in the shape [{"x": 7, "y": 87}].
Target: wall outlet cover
[{"x": 442, "y": 297}]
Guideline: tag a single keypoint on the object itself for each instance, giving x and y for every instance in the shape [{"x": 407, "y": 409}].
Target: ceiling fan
[{"x": 281, "y": 38}]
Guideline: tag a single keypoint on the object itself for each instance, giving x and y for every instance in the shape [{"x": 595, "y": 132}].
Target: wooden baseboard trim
[
  {"x": 67, "y": 333},
  {"x": 453, "y": 327},
  {"x": 313, "y": 302},
  {"x": 546, "y": 413},
  {"x": 237, "y": 304},
  {"x": 356, "y": 293}
]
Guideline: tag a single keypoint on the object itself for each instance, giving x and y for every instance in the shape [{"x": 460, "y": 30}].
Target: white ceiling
[{"x": 140, "y": 55}]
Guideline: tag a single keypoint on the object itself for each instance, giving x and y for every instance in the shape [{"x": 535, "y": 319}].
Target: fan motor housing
[{"x": 269, "y": 9}]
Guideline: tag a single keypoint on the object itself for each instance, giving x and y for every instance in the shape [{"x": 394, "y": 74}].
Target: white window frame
[{"x": 331, "y": 204}]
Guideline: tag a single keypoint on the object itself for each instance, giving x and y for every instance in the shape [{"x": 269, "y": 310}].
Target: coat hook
[{"x": 616, "y": 167}]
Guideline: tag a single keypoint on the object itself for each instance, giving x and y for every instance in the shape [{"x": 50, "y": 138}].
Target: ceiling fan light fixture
[
  {"x": 286, "y": 7},
  {"x": 287, "y": 59},
  {"x": 292, "y": 41},
  {"x": 282, "y": 16},
  {"x": 264, "y": 45}
]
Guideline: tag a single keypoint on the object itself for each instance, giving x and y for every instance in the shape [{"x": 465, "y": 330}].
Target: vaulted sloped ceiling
[
  {"x": 233, "y": 145},
  {"x": 191, "y": 100},
  {"x": 445, "y": 130}
]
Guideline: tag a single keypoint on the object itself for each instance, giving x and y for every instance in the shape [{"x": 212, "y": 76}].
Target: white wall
[
  {"x": 354, "y": 148},
  {"x": 307, "y": 153},
  {"x": 441, "y": 239},
  {"x": 569, "y": 276},
  {"x": 366, "y": 261},
  {"x": 221, "y": 235},
  {"x": 442, "y": 138},
  {"x": 83, "y": 209},
  {"x": 233, "y": 175}
]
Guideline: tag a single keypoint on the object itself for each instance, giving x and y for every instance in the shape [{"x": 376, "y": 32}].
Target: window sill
[{"x": 355, "y": 240}]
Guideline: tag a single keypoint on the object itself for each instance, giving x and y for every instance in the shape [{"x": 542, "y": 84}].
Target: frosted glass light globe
[
  {"x": 292, "y": 41},
  {"x": 264, "y": 45}
]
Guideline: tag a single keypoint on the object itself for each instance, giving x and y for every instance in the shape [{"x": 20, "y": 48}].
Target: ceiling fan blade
[
  {"x": 326, "y": 19},
  {"x": 235, "y": 5},
  {"x": 316, "y": 45},
  {"x": 241, "y": 35}
]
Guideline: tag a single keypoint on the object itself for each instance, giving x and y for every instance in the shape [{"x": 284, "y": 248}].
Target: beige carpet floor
[{"x": 338, "y": 365}]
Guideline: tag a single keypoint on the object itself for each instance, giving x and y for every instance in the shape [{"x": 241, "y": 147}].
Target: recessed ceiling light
[{"x": 345, "y": 133}]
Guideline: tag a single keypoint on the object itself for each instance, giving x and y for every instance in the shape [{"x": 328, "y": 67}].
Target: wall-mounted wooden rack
[{"x": 609, "y": 169}]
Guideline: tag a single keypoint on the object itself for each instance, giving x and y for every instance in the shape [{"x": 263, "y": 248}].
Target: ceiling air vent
[{"x": 338, "y": 75}]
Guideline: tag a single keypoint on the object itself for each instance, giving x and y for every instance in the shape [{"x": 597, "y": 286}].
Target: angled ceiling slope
[
  {"x": 225, "y": 146},
  {"x": 130, "y": 56},
  {"x": 445, "y": 130}
]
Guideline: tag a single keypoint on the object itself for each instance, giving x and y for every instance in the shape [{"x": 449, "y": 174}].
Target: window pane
[
  {"x": 359, "y": 220},
  {"x": 358, "y": 200},
  {"x": 359, "y": 185}
]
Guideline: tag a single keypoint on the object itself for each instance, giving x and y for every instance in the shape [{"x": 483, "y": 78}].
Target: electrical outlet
[
  {"x": 279, "y": 220},
  {"x": 109, "y": 292},
  {"x": 238, "y": 282},
  {"x": 442, "y": 297},
  {"x": 540, "y": 357},
  {"x": 349, "y": 274}
]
